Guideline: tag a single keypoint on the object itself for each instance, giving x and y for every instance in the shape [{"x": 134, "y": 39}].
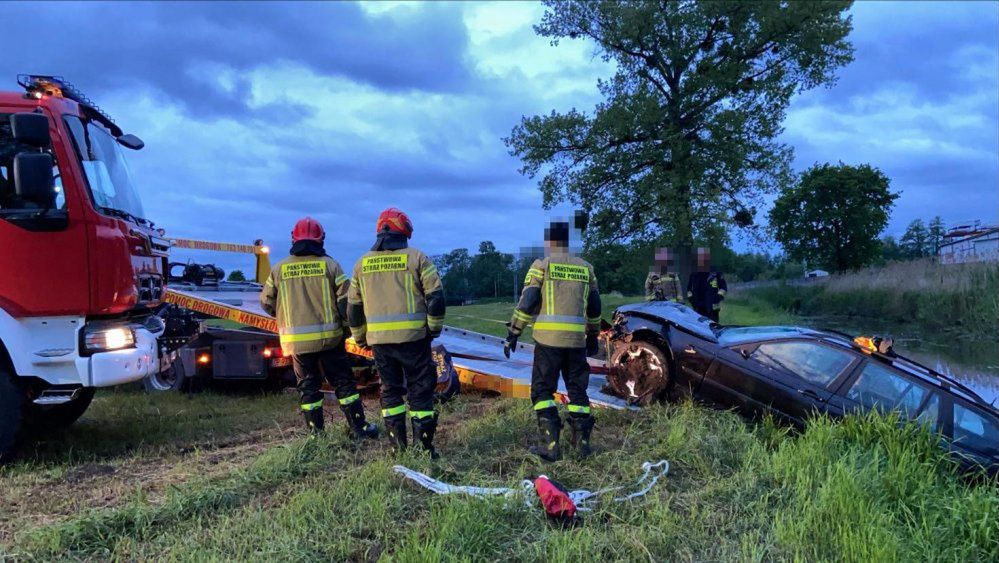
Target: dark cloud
[
  {"x": 235, "y": 151},
  {"x": 925, "y": 45},
  {"x": 180, "y": 48}
]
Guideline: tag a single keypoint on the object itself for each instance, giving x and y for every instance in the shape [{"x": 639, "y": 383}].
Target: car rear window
[
  {"x": 880, "y": 387},
  {"x": 813, "y": 362},
  {"x": 973, "y": 430}
]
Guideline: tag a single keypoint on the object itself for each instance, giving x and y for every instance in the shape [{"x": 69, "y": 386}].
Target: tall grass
[
  {"x": 959, "y": 297},
  {"x": 867, "y": 489}
]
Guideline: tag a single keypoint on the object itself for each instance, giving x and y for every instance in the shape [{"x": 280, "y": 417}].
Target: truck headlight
[{"x": 109, "y": 338}]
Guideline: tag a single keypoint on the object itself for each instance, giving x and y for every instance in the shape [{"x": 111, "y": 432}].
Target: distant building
[
  {"x": 816, "y": 274},
  {"x": 970, "y": 243}
]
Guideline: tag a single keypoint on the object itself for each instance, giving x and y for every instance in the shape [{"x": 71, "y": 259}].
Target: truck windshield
[{"x": 108, "y": 175}]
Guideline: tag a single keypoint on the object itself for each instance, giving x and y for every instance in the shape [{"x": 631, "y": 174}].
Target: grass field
[{"x": 232, "y": 477}]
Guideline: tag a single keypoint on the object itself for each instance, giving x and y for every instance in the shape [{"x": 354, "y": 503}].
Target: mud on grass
[{"x": 864, "y": 489}]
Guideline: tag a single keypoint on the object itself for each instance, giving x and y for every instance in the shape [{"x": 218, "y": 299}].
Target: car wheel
[
  {"x": 48, "y": 418},
  {"x": 11, "y": 399},
  {"x": 173, "y": 378},
  {"x": 639, "y": 373}
]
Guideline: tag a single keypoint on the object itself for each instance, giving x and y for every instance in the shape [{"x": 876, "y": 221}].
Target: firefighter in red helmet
[
  {"x": 307, "y": 295},
  {"x": 396, "y": 305}
]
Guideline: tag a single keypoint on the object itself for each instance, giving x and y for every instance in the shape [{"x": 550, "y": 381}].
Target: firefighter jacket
[
  {"x": 396, "y": 296},
  {"x": 663, "y": 287},
  {"x": 561, "y": 297},
  {"x": 307, "y": 295},
  {"x": 706, "y": 290}
]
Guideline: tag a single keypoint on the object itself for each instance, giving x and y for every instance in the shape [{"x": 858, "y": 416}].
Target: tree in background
[
  {"x": 915, "y": 241},
  {"x": 833, "y": 216},
  {"x": 237, "y": 276},
  {"x": 491, "y": 273},
  {"x": 686, "y": 136},
  {"x": 454, "y": 268},
  {"x": 935, "y": 235},
  {"x": 891, "y": 250}
]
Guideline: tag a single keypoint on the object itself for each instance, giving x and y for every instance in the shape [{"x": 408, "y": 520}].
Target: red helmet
[
  {"x": 395, "y": 221},
  {"x": 308, "y": 229}
]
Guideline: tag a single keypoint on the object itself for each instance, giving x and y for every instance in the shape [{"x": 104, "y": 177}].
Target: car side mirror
[
  {"x": 33, "y": 179},
  {"x": 130, "y": 141},
  {"x": 30, "y": 129}
]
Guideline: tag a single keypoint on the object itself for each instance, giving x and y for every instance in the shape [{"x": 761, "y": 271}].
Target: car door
[
  {"x": 732, "y": 381},
  {"x": 799, "y": 376},
  {"x": 882, "y": 387},
  {"x": 974, "y": 435}
]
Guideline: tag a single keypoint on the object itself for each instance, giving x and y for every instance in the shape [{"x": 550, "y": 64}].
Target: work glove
[
  {"x": 510, "y": 344},
  {"x": 434, "y": 334},
  {"x": 362, "y": 343},
  {"x": 591, "y": 344}
]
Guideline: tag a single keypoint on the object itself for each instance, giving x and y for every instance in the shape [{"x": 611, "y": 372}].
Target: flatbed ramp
[{"x": 477, "y": 357}]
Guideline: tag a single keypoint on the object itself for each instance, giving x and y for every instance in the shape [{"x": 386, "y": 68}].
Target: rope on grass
[{"x": 652, "y": 472}]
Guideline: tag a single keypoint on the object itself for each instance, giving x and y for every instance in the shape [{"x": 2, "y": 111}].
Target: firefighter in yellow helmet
[
  {"x": 396, "y": 305},
  {"x": 561, "y": 296},
  {"x": 307, "y": 294}
]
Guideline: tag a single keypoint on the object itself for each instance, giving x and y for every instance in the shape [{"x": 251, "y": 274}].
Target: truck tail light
[
  {"x": 106, "y": 339},
  {"x": 272, "y": 352},
  {"x": 204, "y": 359}
]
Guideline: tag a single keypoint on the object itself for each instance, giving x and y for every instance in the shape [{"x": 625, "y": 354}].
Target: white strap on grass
[{"x": 652, "y": 472}]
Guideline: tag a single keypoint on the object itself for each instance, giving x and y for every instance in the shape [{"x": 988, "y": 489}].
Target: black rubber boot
[
  {"x": 582, "y": 427},
  {"x": 396, "y": 427},
  {"x": 424, "y": 429},
  {"x": 548, "y": 433},
  {"x": 314, "y": 420},
  {"x": 359, "y": 426}
]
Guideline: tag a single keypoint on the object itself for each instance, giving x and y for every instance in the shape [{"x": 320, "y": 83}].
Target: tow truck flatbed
[{"x": 477, "y": 357}]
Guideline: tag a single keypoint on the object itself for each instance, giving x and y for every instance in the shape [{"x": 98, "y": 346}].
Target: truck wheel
[
  {"x": 639, "y": 373},
  {"x": 47, "y": 418},
  {"x": 171, "y": 379},
  {"x": 11, "y": 399}
]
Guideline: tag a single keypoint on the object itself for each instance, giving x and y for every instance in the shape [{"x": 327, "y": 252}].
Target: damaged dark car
[{"x": 665, "y": 351}]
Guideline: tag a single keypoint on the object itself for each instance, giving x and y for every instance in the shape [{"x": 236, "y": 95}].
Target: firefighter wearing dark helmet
[
  {"x": 561, "y": 296},
  {"x": 307, "y": 295},
  {"x": 396, "y": 305}
]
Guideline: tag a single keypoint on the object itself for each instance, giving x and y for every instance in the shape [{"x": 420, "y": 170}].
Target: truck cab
[{"x": 81, "y": 267}]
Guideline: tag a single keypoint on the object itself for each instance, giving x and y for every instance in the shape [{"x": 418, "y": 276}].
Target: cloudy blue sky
[{"x": 256, "y": 114}]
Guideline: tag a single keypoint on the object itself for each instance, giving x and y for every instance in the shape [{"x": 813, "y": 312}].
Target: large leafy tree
[
  {"x": 834, "y": 216},
  {"x": 685, "y": 137}
]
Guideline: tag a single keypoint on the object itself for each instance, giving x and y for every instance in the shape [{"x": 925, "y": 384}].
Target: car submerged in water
[{"x": 662, "y": 350}]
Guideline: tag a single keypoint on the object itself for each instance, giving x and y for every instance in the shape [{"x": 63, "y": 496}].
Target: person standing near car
[
  {"x": 562, "y": 298},
  {"x": 306, "y": 293},
  {"x": 706, "y": 287},
  {"x": 396, "y": 305},
  {"x": 662, "y": 284}
]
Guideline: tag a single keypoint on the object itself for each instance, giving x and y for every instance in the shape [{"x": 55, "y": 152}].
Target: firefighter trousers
[
  {"x": 333, "y": 365},
  {"x": 406, "y": 370},
  {"x": 549, "y": 362}
]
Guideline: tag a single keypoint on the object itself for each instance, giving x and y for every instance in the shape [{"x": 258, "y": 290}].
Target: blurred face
[
  {"x": 703, "y": 259},
  {"x": 664, "y": 260}
]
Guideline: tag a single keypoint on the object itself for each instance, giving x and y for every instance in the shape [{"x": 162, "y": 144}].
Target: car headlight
[{"x": 107, "y": 339}]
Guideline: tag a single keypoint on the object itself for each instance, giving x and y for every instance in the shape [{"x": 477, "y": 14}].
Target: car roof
[{"x": 729, "y": 336}]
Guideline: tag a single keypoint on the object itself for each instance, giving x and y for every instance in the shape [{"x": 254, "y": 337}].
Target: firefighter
[
  {"x": 706, "y": 287},
  {"x": 663, "y": 285},
  {"x": 396, "y": 306},
  {"x": 561, "y": 296},
  {"x": 307, "y": 295}
]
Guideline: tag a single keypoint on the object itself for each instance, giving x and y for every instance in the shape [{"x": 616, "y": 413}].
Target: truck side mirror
[
  {"x": 130, "y": 141},
  {"x": 30, "y": 129},
  {"x": 33, "y": 179}
]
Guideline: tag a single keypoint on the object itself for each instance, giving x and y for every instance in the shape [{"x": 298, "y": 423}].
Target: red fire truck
[{"x": 81, "y": 266}]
